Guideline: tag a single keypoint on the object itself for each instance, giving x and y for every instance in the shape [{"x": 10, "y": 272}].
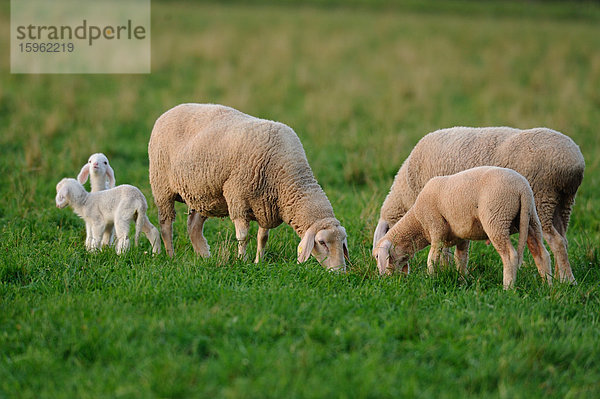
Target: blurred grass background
[{"x": 360, "y": 82}]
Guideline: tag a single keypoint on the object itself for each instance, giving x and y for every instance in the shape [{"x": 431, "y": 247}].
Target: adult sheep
[
  {"x": 220, "y": 161},
  {"x": 549, "y": 160}
]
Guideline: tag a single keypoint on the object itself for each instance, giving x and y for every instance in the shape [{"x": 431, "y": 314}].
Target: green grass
[{"x": 360, "y": 87}]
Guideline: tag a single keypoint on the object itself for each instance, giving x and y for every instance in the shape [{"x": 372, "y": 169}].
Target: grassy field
[{"x": 360, "y": 87}]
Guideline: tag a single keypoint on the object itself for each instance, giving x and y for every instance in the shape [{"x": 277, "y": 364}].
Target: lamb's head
[
  {"x": 66, "y": 189},
  {"x": 98, "y": 167},
  {"x": 391, "y": 257},
  {"x": 327, "y": 241}
]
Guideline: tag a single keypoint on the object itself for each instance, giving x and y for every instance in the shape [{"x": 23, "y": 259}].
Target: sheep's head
[
  {"x": 97, "y": 165},
  {"x": 391, "y": 257},
  {"x": 62, "y": 193},
  {"x": 327, "y": 242}
]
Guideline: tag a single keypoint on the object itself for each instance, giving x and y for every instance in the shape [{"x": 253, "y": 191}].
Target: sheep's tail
[
  {"x": 527, "y": 207},
  {"x": 382, "y": 228},
  {"x": 140, "y": 221}
]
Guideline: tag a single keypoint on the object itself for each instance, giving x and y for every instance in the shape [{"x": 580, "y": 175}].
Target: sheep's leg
[
  {"x": 241, "y": 234},
  {"x": 558, "y": 245},
  {"x": 433, "y": 256},
  {"x": 88, "y": 236},
  {"x": 541, "y": 257},
  {"x": 261, "y": 239},
  {"x": 510, "y": 259},
  {"x": 166, "y": 216},
  {"x": 461, "y": 256},
  {"x": 122, "y": 233},
  {"x": 107, "y": 235},
  {"x": 152, "y": 234},
  {"x": 195, "y": 224},
  {"x": 96, "y": 237}
]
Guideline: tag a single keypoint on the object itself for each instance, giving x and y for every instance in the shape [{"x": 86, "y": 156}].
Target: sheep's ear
[
  {"x": 84, "y": 173},
  {"x": 111, "y": 176},
  {"x": 306, "y": 245},
  {"x": 382, "y": 228},
  {"x": 383, "y": 257},
  {"x": 345, "y": 247}
]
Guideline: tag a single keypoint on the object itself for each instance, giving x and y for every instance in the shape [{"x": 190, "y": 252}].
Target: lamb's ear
[
  {"x": 111, "y": 176},
  {"x": 383, "y": 257},
  {"x": 306, "y": 245},
  {"x": 84, "y": 173}
]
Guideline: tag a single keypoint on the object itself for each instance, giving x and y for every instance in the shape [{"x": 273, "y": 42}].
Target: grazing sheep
[
  {"x": 118, "y": 206},
  {"x": 549, "y": 160},
  {"x": 485, "y": 202},
  {"x": 220, "y": 161},
  {"x": 102, "y": 177}
]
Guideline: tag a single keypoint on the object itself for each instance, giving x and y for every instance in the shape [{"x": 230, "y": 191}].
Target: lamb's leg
[
  {"x": 541, "y": 257},
  {"x": 122, "y": 234},
  {"x": 261, "y": 239},
  {"x": 96, "y": 236},
  {"x": 152, "y": 234},
  {"x": 107, "y": 235},
  {"x": 241, "y": 234},
  {"x": 510, "y": 258},
  {"x": 195, "y": 224},
  {"x": 558, "y": 245},
  {"x": 88, "y": 236},
  {"x": 461, "y": 256}
]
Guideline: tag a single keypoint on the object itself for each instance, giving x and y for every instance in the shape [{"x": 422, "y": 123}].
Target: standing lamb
[
  {"x": 119, "y": 206},
  {"x": 549, "y": 160},
  {"x": 220, "y": 161},
  {"x": 476, "y": 204},
  {"x": 102, "y": 177}
]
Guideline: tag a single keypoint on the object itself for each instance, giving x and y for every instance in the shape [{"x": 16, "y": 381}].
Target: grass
[{"x": 360, "y": 87}]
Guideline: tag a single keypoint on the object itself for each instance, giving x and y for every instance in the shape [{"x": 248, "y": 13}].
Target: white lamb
[
  {"x": 549, "y": 160},
  {"x": 481, "y": 203},
  {"x": 117, "y": 206},
  {"x": 102, "y": 177},
  {"x": 220, "y": 162}
]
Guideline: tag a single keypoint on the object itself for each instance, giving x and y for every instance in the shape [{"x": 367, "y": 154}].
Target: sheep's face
[
  {"x": 391, "y": 257},
  {"x": 62, "y": 193},
  {"x": 329, "y": 246},
  {"x": 98, "y": 164}
]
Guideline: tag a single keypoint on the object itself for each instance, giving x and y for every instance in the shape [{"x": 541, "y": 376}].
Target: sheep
[
  {"x": 220, "y": 161},
  {"x": 484, "y": 202},
  {"x": 102, "y": 177},
  {"x": 119, "y": 206},
  {"x": 549, "y": 160}
]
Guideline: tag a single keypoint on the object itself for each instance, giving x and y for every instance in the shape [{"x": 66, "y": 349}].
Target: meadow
[{"x": 360, "y": 85}]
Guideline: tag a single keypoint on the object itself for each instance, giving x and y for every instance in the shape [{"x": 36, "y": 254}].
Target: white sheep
[
  {"x": 117, "y": 206},
  {"x": 102, "y": 177},
  {"x": 485, "y": 202},
  {"x": 549, "y": 160},
  {"x": 220, "y": 161}
]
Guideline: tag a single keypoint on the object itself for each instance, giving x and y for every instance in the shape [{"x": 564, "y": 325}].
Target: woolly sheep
[
  {"x": 117, "y": 206},
  {"x": 475, "y": 204},
  {"x": 220, "y": 161},
  {"x": 549, "y": 160},
  {"x": 102, "y": 177}
]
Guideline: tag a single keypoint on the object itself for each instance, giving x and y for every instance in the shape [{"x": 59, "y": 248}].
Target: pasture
[{"x": 360, "y": 86}]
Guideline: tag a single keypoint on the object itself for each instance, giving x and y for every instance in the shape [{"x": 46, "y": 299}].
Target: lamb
[
  {"x": 549, "y": 160},
  {"x": 475, "y": 204},
  {"x": 119, "y": 206},
  {"x": 102, "y": 177},
  {"x": 220, "y": 161}
]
